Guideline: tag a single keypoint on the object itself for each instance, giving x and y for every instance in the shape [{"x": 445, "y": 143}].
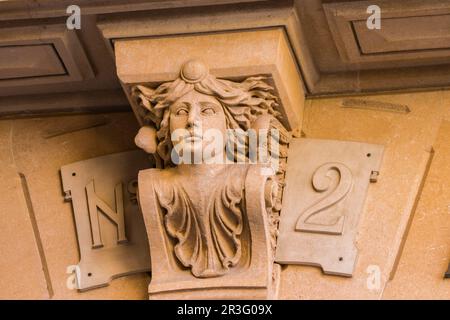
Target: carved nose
[
  {"x": 193, "y": 119},
  {"x": 192, "y": 123}
]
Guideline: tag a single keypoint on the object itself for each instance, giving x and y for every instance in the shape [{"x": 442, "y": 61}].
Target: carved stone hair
[{"x": 242, "y": 102}]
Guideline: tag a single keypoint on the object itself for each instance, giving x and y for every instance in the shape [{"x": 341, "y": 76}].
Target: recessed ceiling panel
[
  {"x": 408, "y": 36},
  {"x": 42, "y": 54},
  {"x": 29, "y": 61}
]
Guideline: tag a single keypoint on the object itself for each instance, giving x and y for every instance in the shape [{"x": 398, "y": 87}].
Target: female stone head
[{"x": 197, "y": 101}]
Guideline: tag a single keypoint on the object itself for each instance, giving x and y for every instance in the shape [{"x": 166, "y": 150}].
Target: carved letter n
[{"x": 117, "y": 218}]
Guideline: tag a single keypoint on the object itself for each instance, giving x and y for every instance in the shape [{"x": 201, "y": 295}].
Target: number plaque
[{"x": 326, "y": 185}]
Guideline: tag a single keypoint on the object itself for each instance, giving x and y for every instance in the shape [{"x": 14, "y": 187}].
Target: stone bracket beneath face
[
  {"x": 326, "y": 187},
  {"x": 229, "y": 55},
  {"x": 254, "y": 277},
  {"x": 110, "y": 230}
]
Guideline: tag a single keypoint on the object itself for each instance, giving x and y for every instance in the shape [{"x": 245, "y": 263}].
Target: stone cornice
[{"x": 14, "y": 10}]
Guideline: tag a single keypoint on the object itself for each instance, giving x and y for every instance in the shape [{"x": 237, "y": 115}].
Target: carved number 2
[{"x": 321, "y": 182}]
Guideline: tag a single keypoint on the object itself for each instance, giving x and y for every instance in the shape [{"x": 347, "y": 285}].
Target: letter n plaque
[{"x": 111, "y": 233}]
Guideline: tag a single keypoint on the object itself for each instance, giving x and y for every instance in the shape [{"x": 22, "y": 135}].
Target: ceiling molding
[{"x": 14, "y": 10}]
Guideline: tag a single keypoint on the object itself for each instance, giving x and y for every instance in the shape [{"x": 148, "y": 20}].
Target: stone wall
[
  {"x": 404, "y": 229},
  {"x": 412, "y": 176},
  {"x": 34, "y": 260}
]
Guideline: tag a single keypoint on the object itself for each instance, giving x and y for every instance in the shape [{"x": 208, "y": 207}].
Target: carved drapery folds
[
  {"x": 208, "y": 236},
  {"x": 212, "y": 221}
]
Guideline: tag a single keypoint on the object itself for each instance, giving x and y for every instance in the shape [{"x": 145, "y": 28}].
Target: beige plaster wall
[
  {"x": 427, "y": 249},
  {"x": 38, "y": 238},
  {"x": 21, "y": 273},
  {"x": 37, "y": 148},
  {"x": 391, "y": 202}
]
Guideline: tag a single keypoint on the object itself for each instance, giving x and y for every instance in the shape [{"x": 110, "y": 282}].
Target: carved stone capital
[
  {"x": 211, "y": 226},
  {"x": 213, "y": 229},
  {"x": 234, "y": 55}
]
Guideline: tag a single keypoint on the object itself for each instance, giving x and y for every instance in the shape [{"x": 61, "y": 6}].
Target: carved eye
[
  {"x": 208, "y": 110},
  {"x": 182, "y": 112}
]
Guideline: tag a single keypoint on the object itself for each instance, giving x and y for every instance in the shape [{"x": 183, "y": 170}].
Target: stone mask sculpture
[{"x": 201, "y": 217}]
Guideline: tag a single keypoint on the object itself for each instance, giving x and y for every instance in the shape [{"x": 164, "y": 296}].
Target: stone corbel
[
  {"x": 212, "y": 230},
  {"x": 229, "y": 55}
]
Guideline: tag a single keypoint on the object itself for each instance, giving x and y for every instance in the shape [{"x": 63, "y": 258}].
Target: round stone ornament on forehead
[{"x": 194, "y": 71}]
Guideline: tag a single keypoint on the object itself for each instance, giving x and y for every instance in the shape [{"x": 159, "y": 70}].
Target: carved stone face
[{"x": 196, "y": 113}]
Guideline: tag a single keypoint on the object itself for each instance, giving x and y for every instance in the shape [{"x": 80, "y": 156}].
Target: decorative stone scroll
[
  {"x": 211, "y": 225},
  {"x": 109, "y": 225},
  {"x": 326, "y": 186}
]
